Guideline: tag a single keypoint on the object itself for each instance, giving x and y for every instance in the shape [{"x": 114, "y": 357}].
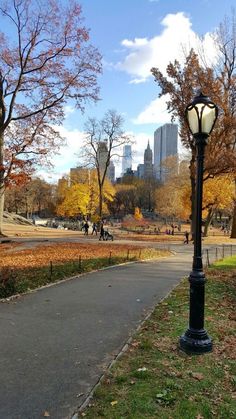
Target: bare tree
[{"x": 103, "y": 142}]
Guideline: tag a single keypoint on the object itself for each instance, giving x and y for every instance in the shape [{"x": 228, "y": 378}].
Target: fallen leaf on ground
[{"x": 197, "y": 375}]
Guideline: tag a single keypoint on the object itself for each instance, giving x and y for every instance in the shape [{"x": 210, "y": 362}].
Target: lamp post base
[{"x": 195, "y": 342}]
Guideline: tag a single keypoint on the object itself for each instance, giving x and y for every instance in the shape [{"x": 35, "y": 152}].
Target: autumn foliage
[
  {"x": 45, "y": 60},
  {"x": 82, "y": 197},
  {"x": 180, "y": 85}
]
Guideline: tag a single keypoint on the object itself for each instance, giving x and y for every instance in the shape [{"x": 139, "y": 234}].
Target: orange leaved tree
[{"x": 219, "y": 83}]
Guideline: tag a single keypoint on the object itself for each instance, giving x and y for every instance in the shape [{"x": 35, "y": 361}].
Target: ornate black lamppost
[{"x": 201, "y": 116}]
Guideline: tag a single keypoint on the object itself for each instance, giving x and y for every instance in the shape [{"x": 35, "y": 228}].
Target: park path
[{"x": 55, "y": 343}]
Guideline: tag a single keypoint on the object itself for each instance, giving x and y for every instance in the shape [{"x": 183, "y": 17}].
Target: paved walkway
[{"x": 55, "y": 343}]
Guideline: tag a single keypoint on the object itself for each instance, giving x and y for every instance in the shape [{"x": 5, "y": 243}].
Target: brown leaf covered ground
[{"x": 59, "y": 253}]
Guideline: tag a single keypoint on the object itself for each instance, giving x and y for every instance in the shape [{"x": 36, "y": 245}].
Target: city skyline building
[
  {"x": 102, "y": 155},
  {"x": 140, "y": 170},
  {"x": 165, "y": 145},
  {"x": 111, "y": 172},
  {"x": 126, "y": 158},
  {"x": 148, "y": 165}
]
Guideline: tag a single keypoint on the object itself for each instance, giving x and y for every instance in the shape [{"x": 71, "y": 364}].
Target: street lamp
[{"x": 201, "y": 116}]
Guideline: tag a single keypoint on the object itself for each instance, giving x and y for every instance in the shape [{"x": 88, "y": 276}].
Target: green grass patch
[
  {"x": 18, "y": 281},
  {"x": 154, "y": 379},
  {"x": 227, "y": 263}
]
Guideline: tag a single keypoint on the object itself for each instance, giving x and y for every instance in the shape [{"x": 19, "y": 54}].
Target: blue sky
[{"x": 133, "y": 36}]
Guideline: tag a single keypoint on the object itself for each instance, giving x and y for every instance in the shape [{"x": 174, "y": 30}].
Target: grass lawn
[
  {"x": 227, "y": 263},
  {"x": 154, "y": 379},
  {"x": 24, "y": 270}
]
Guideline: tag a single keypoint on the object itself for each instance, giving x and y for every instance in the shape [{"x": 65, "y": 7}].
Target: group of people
[
  {"x": 85, "y": 227},
  {"x": 104, "y": 235}
]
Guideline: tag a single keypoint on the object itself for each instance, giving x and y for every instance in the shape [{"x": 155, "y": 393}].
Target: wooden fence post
[
  {"x": 51, "y": 272},
  {"x": 208, "y": 261}
]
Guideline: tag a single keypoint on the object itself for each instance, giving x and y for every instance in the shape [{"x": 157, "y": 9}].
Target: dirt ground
[
  {"x": 15, "y": 230},
  {"x": 21, "y": 231}
]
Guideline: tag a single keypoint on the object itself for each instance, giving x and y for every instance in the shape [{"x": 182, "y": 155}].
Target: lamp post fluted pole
[
  {"x": 201, "y": 116},
  {"x": 196, "y": 339}
]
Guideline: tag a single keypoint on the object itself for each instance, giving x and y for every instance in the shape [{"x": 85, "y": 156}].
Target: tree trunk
[
  {"x": 100, "y": 201},
  {"x": 26, "y": 209},
  {"x": 208, "y": 221},
  {"x": 233, "y": 231},
  {"x": 1, "y": 208},
  {"x": 2, "y": 185}
]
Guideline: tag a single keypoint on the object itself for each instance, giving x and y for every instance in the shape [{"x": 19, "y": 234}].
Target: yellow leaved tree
[
  {"x": 75, "y": 202},
  {"x": 138, "y": 214},
  {"x": 218, "y": 194},
  {"x": 82, "y": 197},
  {"x": 172, "y": 199}
]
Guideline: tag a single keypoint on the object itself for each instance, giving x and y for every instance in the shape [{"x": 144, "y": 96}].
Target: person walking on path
[
  {"x": 186, "y": 234},
  {"x": 86, "y": 228},
  {"x": 95, "y": 229},
  {"x": 102, "y": 231}
]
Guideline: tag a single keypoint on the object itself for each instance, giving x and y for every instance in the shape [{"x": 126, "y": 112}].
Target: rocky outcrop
[{"x": 12, "y": 218}]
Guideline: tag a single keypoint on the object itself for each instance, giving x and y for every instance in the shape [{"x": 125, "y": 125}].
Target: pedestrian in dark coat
[
  {"x": 95, "y": 229},
  {"x": 102, "y": 231},
  {"x": 186, "y": 234},
  {"x": 86, "y": 227}
]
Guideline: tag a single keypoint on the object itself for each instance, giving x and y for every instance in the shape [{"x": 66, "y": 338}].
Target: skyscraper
[
  {"x": 148, "y": 166},
  {"x": 111, "y": 172},
  {"x": 165, "y": 145},
  {"x": 126, "y": 158},
  {"x": 102, "y": 155}
]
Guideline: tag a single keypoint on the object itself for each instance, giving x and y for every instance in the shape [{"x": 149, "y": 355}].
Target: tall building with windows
[
  {"x": 140, "y": 170},
  {"x": 165, "y": 145},
  {"x": 102, "y": 155},
  {"x": 148, "y": 166},
  {"x": 111, "y": 172},
  {"x": 126, "y": 158}
]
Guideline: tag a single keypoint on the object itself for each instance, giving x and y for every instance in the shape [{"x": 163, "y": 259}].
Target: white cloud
[
  {"x": 68, "y": 109},
  {"x": 67, "y": 156},
  {"x": 154, "y": 113},
  {"x": 141, "y": 140},
  {"x": 174, "y": 42}
]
